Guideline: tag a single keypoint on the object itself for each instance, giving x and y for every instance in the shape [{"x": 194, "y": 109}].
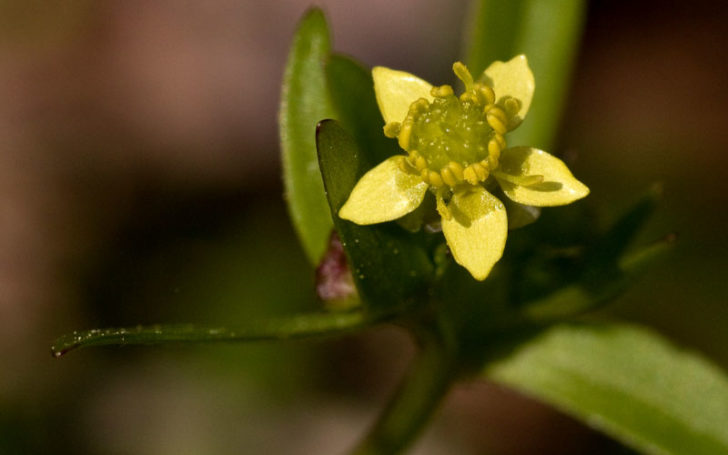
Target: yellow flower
[{"x": 456, "y": 147}]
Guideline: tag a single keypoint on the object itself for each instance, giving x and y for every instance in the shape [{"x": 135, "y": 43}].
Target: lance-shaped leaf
[
  {"x": 305, "y": 101},
  {"x": 547, "y": 32},
  {"x": 626, "y": 381},
  {"x": 605, "y": 271},
  {"x": 352, "y": 91},
  {"x": 292, "y": 327},
  {"x": 388, "y": 265}
]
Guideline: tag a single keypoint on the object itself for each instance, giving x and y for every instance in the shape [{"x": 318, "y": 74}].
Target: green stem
[
  {"x": 417, "y": 397},
  {"x": 302, "y": 326}
]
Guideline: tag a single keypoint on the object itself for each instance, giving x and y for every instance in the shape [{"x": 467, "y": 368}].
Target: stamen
[
  {"x": 420, "y": 163},
  {"x": 457, "y": 169},
  {"x": 486, "y": 93},
  {"x": 425, "y": 174},
  {"x": 501, "y": 140},
  {"x": 405, "y": 132},
  {"x": 461, "y": 71},
  {"x": 452, "y": 140},
  {"x": 470, "y": 175},
  {"x": 448, "y": 177},
  {"x": 405, "y": 165},
  {"x": 391, "y": 129},
  {"x": 418, "y": 107},
  {"x": 494, "y": 147},
  {"x": 494, "y": 154},
  {"x": 469, "y": 97},
  {"x": 435, "y": 179},
  {"x": 521, "y": 180},
  {"x": 497, "y": 119},
  {"x": 512, "y": 106},
  {"x": 441, "y": 91},
  {"x": 480, "y": 170}
]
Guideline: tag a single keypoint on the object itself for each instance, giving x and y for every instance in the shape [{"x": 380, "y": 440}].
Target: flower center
[
  {"x": 449, "y": 130},
  {"x": 454, "y": 140}
]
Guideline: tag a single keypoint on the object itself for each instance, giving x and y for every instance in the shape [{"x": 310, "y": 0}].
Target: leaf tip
[{"x": 314, "y": 14}]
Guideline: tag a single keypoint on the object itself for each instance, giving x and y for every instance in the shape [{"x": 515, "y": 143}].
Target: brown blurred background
[{"x": 140, "y": 183}]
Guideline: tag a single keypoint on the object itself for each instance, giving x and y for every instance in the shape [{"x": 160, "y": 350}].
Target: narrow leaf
[
  {"x": 304, "y": 102},
  {"x": 589, "y": 292},
  {"x": 549, "y": 35},
  {"x": 547, "y": 32},
  {"x": 610, "y": 246},
  {"x": 389, "y": 268},
  {"x": 626, "y": 381},
  {"x": 308, "y": 325},
  {"x": 352, "y": 91},
  {"x": 491, "y": 32}
]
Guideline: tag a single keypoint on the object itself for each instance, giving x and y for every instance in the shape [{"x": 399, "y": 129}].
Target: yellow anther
[
  {"x": 512, "y": 106},
  {"x": 480, "y": 170},
  {"x": 497, "y": 111},
  {"x": 425, "y": 174},
  {"x": 469, "y": 97},
  {"x": 495, "y": 121},
  {"x": 448, "y": 177},
  {"x": 417, "y": 160},
  {"x": 470, "y": 175},
  {"x": 501, "y": 140},
  {"x": 494, "y": 147},
  {"x": 494, "y": 154},
  {"x": 418, "y": 106},
  {"x": 391, "y": 129},
  {"x": 404, "y": 164},
  {"x": 522, "y": 180},
  {"x": 441, "y": 91},
  {"x": 435, "y": 179},
  {"x": 531, "y": 180},
  {"x": 461, "y": 71},
  {"x": 404, "y": 133},
  {"x": 486, "y": 93},
  {"x": 457, "y": 169}
]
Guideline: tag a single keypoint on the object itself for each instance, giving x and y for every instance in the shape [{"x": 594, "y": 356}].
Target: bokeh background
[{"x": 140, "y": 183}]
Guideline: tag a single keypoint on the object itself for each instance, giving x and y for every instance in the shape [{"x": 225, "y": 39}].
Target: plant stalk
[{"x": 416, "y": 399}]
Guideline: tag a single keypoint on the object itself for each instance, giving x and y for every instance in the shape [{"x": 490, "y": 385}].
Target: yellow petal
[
  {"x": 396, "y": 90},
  {"x": 476, "y": 232},
  {"x": 559, "y": 187},
  {"x": 385, "y": 193},
  {"x": 512, "y": 79}
]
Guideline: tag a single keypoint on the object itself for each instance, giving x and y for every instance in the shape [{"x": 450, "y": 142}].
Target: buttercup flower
[{"x": 456, "y": 148}]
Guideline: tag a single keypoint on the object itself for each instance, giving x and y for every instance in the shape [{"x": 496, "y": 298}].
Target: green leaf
[
  {"x": 491, "y": 33},
  {"x": 304, "y": 102},
  {"x": 352, "y": 91},
  {"x": 307, "y": 325},
  {"x": 389, "y": 268},
  {"x": 627, "y": 382},
  {"x": 597, "y": 285},
  {"x": 547, "y": 32},
  {"x": 609, "y": 247},
  {"x": 602, "y": 273}
]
